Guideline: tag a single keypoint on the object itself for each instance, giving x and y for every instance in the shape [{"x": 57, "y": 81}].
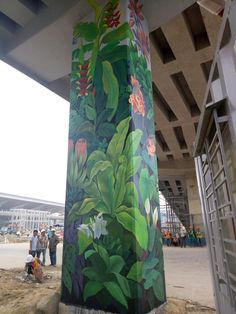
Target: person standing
[
  {"x": 49, "y": 232},
  {"x": 191, "y": 236},
  {"x": 34, "y": 243},
  {"x": 168, "y": 238},
  {"x": 53, "y": 242},
  {"x": 199, "y": 237},
  {"x": 183, "y": 235},
  {"x": 42, "y": 245}
]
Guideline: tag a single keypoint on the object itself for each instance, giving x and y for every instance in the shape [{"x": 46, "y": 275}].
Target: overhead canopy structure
[{"x": 9, "y": 201}]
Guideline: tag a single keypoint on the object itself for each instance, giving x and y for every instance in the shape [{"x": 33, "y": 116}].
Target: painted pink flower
[
  {"x": 151, "y": 147},
  {"x": 135, "y": 12},
  {"x": 142, "y": 41},
  {"x": 81, "y": 148},
  {"x": 112, "y": 17}
]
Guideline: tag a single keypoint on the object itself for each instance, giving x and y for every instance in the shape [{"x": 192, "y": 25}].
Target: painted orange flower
[
  {"x": 137, "y": 102},
  {"x": 151, "y": 147},
  {"x": 136, "y": 98},
  {"x": 81, "y": 148}
]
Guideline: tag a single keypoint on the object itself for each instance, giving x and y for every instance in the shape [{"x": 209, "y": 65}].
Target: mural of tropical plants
[{"x": 112, "y": 256}]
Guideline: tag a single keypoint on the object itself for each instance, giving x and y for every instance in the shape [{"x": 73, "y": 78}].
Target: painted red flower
[
  {"x": 112, "y": 16},
  {"x": 84, "y": 82},
  {"x": 135, "y": 12},
  {"x": 81, "y": 148},
  {"x": 151, "y": 147}
]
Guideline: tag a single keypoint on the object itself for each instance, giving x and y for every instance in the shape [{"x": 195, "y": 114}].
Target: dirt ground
[{"x": 18, "y": 297}]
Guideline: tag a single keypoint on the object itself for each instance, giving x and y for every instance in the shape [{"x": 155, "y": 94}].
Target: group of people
[
  {"x": 36, "y": 258},
  {"x": 39, "y": 243},
  {"x": 194, "y": 237}
]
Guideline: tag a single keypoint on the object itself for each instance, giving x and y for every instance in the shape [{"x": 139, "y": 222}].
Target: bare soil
[{"x": 19, "y": 297}]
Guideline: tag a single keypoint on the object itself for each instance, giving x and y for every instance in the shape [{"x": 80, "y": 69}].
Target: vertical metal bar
[
  {"x": 217, "y": 213},
  {"x": 204, "y": 205},
  {"x": 222, "y": 149}
]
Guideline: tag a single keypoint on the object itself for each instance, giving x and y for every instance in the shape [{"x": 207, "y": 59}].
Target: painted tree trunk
[{"x": 112, "y": 258}]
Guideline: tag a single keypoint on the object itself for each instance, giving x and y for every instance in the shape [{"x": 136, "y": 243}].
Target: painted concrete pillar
[{"x": 112, "y": 257}]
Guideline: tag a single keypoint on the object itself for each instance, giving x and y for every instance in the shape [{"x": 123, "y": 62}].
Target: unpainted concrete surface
[{"x": 188, "y": 275}]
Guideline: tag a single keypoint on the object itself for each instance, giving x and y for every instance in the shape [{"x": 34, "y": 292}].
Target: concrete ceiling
[{"x": 36, "y": 37}]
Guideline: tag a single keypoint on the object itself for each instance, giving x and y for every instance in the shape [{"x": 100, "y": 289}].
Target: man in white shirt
[{"x": 34, "y": 243}]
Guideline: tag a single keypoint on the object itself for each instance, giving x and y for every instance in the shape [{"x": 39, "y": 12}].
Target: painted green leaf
[
  {"x": 73, "y": 213},
  {"x": 150, "y": 263},
  {"x": 132, "y": 220},
  {"x": 136, "y": 271},
  {"x": 115, "y": 292},
  {"x": 86, "y": 48},
  {"x": 88, "y": 31},
  {"x": 159, "y": 288},
  {"x": 132, "y": 143},
  {"x": 106, "y": 129},
  {"x": 116, "y": 263},
  {"x": 152, "y": 233},
  {"x": 116, "y": 144},
  {"x": 91, "y": 273},
  {"x": 87, "y": 205},
  {"x": 147, "y": 185},
  {"x": 66, "y": 278},
  {"x": 91, "y": 288},
  {"x": 111, "y": 88},
  {"x": 131, "y": 195},
  {"x": 120, "y": 33},
  {"x": 149, "y": 162},
  {"x": 90, "y": 112},
  {"x": 84, "y": 241},
  {"x": 133, "y": 166},
  {"x": 103, "y": 253},
  {"x": 99, "y": 166},
  {"x": 95, "y": 156},
  {"x": 91, "y": 189},
  {"x": 89, "y": 253},
  {"x": 151, "y": 277},
  {"x": 103, "y": 116},
  {"x": 150, "y": 114},
  {"x": 117, "y": 54},
  {"x": 124, "y": 285},
  {"x": 120, "y": 183},
  {"x": 105, "y": 182},
  {"x": 102, "y": 208}
]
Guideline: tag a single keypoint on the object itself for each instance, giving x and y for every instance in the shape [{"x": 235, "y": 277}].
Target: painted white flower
[
  {"x": 85, "y": 229},
  {"x": 147, "y": 206},
  {"x": 99, "y": 226},
  {"x": 155, "y": 217}
]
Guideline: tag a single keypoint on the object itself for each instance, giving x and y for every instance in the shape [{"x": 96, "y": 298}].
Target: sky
[{"x": 33, "y": 138}]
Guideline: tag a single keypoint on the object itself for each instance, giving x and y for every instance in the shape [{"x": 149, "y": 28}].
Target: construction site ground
[{"x": 188, "y": 283}]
